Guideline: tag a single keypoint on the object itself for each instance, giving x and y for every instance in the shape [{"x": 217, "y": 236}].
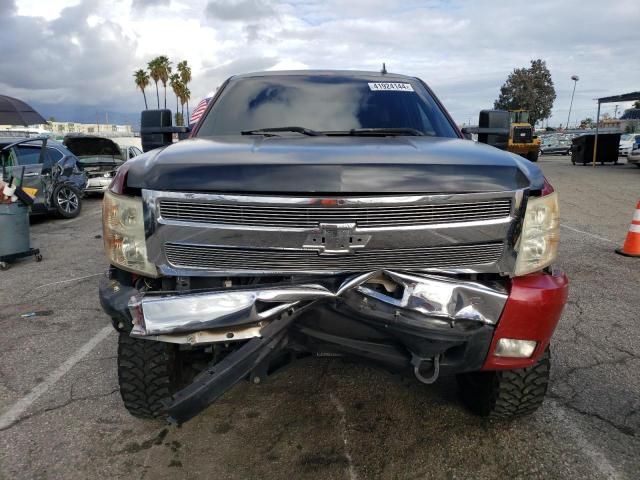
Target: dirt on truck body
[{"x": 329, "y": 213}]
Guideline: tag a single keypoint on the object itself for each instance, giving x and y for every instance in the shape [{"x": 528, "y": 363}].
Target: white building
[{"x": 60, "y": 129}]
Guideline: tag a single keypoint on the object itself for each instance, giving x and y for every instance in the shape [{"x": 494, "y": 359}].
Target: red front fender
[{"x": 532, "y": 312}]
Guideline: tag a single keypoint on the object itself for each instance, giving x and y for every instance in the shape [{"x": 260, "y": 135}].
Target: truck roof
[{"x": 329, "y": 73}]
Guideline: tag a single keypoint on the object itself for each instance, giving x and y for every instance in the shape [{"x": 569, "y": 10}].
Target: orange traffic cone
[{"x": 631, "y": 247}]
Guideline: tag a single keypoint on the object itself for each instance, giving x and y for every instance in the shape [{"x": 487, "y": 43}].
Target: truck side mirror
[
  {"x": 493, "y": 128},
  {"x": 156, "y": 129}
]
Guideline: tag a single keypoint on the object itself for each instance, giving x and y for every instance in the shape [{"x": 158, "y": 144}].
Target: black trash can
[{"x": 582, "y": 148}]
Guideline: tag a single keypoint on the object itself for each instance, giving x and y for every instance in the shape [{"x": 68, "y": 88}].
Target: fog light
[{"x": 510, "y": 347}]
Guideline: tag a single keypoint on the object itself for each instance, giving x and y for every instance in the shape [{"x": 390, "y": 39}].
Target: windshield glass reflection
[{"x": 323, "y": 103}]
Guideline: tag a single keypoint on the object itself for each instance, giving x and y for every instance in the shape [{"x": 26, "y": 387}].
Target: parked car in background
[
  {"x": 626, "y": 143},
  {"x": 130, "y": 152},
  {"x": 99, "y": 157},
  {"x": 634, "y": 155},
  {"x": 129, "y": 146},
  {"x": 562, "y": 147},
  {"x": 48, "y": 167}
]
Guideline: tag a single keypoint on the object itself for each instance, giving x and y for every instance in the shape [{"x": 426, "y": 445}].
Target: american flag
[{"x": 199, "y": 110}]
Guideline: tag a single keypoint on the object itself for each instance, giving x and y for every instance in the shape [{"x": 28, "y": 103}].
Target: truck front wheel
[
  {"x": 506, "y": 393},
  {"x": 148, "y": 373}
]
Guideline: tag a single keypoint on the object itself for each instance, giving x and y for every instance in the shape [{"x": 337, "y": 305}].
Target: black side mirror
[
  {"x": 493, "y": 128},
  {"x": 156, "y": 129}
]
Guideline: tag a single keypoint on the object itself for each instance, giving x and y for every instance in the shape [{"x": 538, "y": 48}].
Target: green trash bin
[{"x": 15, "y": 241}]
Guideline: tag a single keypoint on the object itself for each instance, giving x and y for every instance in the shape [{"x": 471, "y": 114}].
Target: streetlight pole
[{"x": 575, "y": 79}]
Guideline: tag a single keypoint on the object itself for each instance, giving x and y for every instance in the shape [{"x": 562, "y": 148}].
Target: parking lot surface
[{"x": 61, "y": 415}]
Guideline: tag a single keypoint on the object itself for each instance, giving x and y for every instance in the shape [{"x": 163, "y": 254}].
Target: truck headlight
[
  {"x": 537, "y": 246},
  {"x": 123, "y": 233}
]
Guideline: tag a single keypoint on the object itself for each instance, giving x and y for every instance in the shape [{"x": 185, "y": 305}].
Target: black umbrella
[{"x": 16, "y": 112}]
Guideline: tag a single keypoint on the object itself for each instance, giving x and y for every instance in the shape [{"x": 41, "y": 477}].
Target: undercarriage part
[
  {"x": 210, "y": 384},
  {"x": 417, "y": 364},
  {"x": 206, "y": 337},
  {"x": 384, "y": 354}
]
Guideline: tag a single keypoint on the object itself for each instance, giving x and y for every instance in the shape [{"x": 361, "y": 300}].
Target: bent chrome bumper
[
  {"x": 430, "y": 321},
  {"x": 438, "y": 299}
]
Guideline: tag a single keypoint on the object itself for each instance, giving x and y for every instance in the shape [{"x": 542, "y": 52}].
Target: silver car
[{"x": 634, "y": 155}]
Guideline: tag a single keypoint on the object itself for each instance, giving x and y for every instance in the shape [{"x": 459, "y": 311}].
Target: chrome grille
[
  {"x": 290, "y": 261},
  {"x": 310, "y": 216}
]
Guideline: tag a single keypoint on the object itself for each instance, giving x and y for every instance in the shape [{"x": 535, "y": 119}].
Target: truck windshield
[{"x": 332, "y": 105}]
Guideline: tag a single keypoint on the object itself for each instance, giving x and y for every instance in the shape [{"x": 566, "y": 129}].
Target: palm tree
[
  {"x": 176, "y": 86},
  {"x": 185, "y": 77},
  {"x": 142, "y": 82},
  {"x": 164, "y": 69},
  {"x": 184, "y": 98},
  {"x": 155, "y": 73}
]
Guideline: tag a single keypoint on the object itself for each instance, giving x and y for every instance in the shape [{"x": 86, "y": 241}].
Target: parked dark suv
[
  {"x": 48, "y": 167},
  {"x": 333, "y": 214}
]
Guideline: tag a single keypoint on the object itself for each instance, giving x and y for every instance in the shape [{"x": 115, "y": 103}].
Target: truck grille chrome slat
[
  {"x": 221, "y": 234},
  {"x": 238, "y": 259},
  {"x": 311, "y": 216}
]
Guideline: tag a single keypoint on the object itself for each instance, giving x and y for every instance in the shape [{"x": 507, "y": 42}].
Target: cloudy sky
[{"x": 74, "y": 59}]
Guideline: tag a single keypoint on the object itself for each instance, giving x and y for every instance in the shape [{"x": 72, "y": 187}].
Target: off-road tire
[
  {"x": 147, "y": 375},
  {"x": 533, "y": 156},
  {"x": 506, "y": 393},
  {"x": 70, "y": 194}
]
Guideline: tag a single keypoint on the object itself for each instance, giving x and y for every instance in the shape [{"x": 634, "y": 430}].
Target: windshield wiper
[
  {"x": 302, "y": 130},
  {"x": 380, "y": 131}
]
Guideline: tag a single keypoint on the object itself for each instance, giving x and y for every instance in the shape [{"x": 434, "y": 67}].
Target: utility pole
[
  {"x": 615, "y": 114},
  {"x": 575, "y": 79}
]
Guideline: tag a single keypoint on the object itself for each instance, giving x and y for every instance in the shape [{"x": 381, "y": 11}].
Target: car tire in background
[
  {"x": 506, "y": 393},
  {"x": 67, "y": 200}
]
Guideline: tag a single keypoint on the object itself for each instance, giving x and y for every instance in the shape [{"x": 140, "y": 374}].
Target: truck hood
[{"x": 332, "y": 165}]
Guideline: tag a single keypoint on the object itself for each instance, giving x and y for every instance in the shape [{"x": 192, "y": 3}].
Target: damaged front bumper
[
  {"x": 434, "y": 298},
  {"x": 430, "y": 324}
]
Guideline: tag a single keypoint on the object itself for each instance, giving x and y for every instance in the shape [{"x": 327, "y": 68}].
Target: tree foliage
[
  {"x": 142, "y": 81},
  {"x": 587, "y": 123},
  {"x": 159, "y": 70},
  {"x": 528, "y": 89}
]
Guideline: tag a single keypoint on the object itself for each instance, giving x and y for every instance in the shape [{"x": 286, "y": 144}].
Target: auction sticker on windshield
[{"x": 390, "y": 87}]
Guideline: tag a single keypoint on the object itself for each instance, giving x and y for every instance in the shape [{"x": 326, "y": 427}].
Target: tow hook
[{"x": 417, "y": 363}]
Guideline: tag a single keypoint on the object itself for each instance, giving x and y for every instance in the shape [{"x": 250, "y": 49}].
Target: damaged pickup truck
[{"x": 326, "y": 213}]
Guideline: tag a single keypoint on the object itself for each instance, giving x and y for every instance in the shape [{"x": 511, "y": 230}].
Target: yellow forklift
[{"x": 522, "y": 139}]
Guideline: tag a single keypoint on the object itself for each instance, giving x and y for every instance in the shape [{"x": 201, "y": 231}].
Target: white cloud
[{"x": 464, "y": 49}]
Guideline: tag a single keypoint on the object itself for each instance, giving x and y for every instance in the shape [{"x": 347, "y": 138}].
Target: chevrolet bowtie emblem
[{"x": 336, "y": 238}]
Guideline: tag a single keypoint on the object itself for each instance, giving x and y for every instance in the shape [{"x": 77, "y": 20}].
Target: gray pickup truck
[{"x": 329, "y": 213}]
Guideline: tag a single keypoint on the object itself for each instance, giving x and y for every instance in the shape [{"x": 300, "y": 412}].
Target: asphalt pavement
[{"x": 61, "y": 416}]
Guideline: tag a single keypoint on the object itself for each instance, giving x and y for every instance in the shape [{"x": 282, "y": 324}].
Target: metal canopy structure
[{"x": 625, "y": 97}]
